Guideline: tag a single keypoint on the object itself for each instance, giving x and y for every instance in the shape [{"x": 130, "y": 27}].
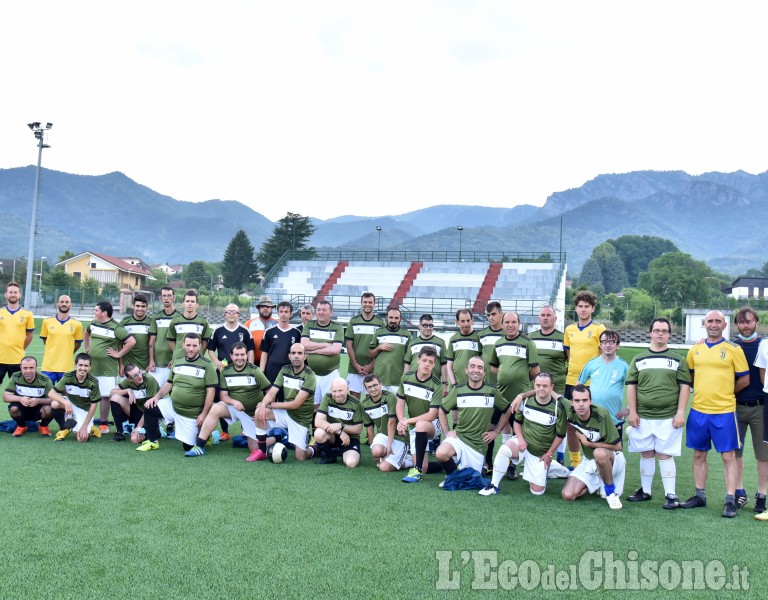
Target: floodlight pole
[
  {"x": 39, "y": 132},
  {"x": 378, "y": 249},
  {"x": 460, "y": 228}
]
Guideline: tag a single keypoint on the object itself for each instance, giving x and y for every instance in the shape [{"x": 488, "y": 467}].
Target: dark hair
[
  {"x": 661, "y": 320},
  {"x": 191, "y": 293},
  {"x": 428, "y": 351},
  {"x": 368, "y": 295},
  {"x": 425, "y": 317},
  {"x": 140, "y": 298},
  {"x": 462, "y": 311},
  {"x": 580, "y": 387},
  {"x": 285, "y": 303},
  {"x": 83, "y": 356},
  {"x": 610, "y": 334},
  {"x": 585, "y": 296},
  {"x": 545, "y": 375},
  {"x": 743, "y": 313},
  {"x": 238, "y": 346},
  {"x": 191, "y": 336},
  {"x": 492, "y": 305},
  {"x": 106, "y": 307},
  {"x": 371, "y": 377}
]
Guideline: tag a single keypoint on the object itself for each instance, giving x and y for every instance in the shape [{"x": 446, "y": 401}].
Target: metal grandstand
[{"x": 435, "y": 282}]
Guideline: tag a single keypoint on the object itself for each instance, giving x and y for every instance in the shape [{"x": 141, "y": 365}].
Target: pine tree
[
  {"x": 291, "y": 233},
  {"x": 239, "y": 263}
]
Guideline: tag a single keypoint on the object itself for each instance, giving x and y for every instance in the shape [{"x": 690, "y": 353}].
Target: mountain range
[{"x": 705, "y": 215}]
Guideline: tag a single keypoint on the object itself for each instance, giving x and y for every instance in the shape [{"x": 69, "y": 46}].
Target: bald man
[
  {"x": 338, "y": 425},
  {"x": 719, "y": 371}
]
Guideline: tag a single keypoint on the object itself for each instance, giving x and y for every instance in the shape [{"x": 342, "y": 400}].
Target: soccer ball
[{"x": 277, "y": 453}]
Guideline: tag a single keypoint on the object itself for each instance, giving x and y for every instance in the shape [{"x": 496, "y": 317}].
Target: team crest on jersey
[
  {"x": 722, "y": 354},
  {"x": 240, "y": 335}
]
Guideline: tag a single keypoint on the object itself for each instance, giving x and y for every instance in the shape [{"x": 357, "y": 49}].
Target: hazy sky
[{"x": 355, "y": 107}]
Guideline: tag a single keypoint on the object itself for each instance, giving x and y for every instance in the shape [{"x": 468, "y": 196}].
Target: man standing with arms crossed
[
  {"x": 361, "y": 331},
  {"x": 582, "y": 344},
  {"x": 62, "y": 336},
  {"x": 719, "y": 371},
  {"x": 322, "y": 339},
  {"x": 107, "y": 342},
  {"x": 17, "y": 325},
  {"x": 658, "y": 385}
]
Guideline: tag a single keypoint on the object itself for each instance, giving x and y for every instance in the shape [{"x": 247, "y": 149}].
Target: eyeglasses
[
  {"x": 659, "y": 331},
  {"x": 136, "y": 375},
  {"x": 231, "y": 312},
  {"x": 427, "y": 325},
  {"x": 608, "y": 342}
]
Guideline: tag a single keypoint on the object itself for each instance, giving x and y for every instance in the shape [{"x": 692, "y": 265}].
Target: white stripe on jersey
[
  {"x": 465, "y": 345},
  {"x": 189, "y": 371},
  {"x": 539, "y": 416},
  {"x": 30, "y": 392},
  {"x": 102, "y": 331},
  {"x": 364, "y": 329},
  {"x": 137, "y": 329},
  {"x": 321, "y": 335},
  {"x": 379, "y": 411},
  {"x": 163, "y": 323},
  {"x": 511, "y": 350},
  {"x": 338, "y": 413},
  {"x": 591, "y": 435},
  {"x": 240, "y": 380},
  {"x": 490, "y": 339},
  {"x": 292, "y": 383},
  {"x": 75, "y": 390},
  {"x": 416, "y": 391},
  {"x": 548, "y": 345},
  {"x": 658, "y": 362},
  {"x": 139, "y": 394},
  {"x": 475, "y": 401},
  {"x": 190, "y": 328},
  {"x": 416, "y": 348},
  {"x": 395, "y": 340}
]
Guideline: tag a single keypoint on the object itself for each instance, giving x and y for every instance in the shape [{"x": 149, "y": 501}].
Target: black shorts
[
  {"x": 28, "y": 413},
  {"x": 6, "y": 369},
  {"x": 354, "y": 444}
]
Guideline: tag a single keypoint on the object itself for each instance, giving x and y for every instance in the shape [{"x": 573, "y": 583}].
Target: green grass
[{"x": 99, "y": 519}]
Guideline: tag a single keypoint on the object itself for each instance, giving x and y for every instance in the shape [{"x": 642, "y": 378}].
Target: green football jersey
[
  {"x": 475, "y": 408},
  {"x": 139, "y": 329},
  {"x": 514, "y": 359},
  {"x": 460, "y": 349},
  {"x": 330, "y": 333},
  {"x": 82, "y": 394},
  {"x": 415, "y": 346},
  {"x": 658, "y": 377},
  {"x": 180, "y": 326},
  {"x": 362, "y": 333},
  {"x": 349, "y": 412},
  {"x": 146, "y": 389},
  {"x": 488, "y": 339},
  {"x": 598, "y": 427},
  {"x": 552, "y": 356},
  {"x": 247, "y": 386},
  {"x": 379, "y": 414},
  {"x": 389, "y": 365},
  {"x": 420, "y": 396},
  {"x": 292, "y": 383},
  {"x": 103, "y": 337},
  {"x": 159, "y": 329},
  {"x": 191, "y": 379},
  {"x": 542, "y": 423},
  {"x": 37, "y": 388}
]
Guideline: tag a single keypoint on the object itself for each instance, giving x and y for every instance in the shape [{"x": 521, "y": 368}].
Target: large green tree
[
  {"x": 196, "y": 276},
  {"x": 604, "y": 270},
  {"x": 290, "y": 233},
  {"x": 637, "y": 251},
  {"x": 239, "y": 263},
  {"x": 676, "y": 277}
]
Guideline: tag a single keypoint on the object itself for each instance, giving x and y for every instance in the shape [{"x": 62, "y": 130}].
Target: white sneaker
[
  {"x": 613, "y": 501},
  {"x": 441, "y": 484},
  {"x": 557, "y": 471},
  {"x": 489, "y": 490}
]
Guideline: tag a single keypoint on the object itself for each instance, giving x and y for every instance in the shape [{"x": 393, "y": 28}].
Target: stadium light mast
[
  {"x": 378, "y": 249},
  {"x": 39, "y": 131},
  {"x": 460, "y": 228}
]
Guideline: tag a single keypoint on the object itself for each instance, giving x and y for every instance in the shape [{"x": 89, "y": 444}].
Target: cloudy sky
[{"x": 357, "y": 107}]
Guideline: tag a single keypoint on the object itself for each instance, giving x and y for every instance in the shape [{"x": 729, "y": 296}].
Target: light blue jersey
[{"x": 606, "y": 383}]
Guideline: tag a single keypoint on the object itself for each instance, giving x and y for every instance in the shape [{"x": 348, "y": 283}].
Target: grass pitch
[{"x": 101, "y": 520}]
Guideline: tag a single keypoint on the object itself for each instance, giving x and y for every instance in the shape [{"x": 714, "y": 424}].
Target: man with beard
[
  {"x": 27, "y": 397},
  {"x": 62, "y": 336},
  {"x": 388, "y": 348},
  {"x": 17, "y": 325},
  {"x": 138, "y": 325}
]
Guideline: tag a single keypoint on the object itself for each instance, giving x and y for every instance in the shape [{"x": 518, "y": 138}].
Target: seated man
[
  {"x": 27, "y": 397},
  {"x": 540, "y": 427},
  {"x": 390, "y": 452},
  {"x": 242, "y": 386},
  {"x": 338, "y": 424},
  {"x": 466, "y": 446},
  {"x": 81, "y": 397},
  {"x": 295, "y": 412},
  {"x": 191, "y": 385},
  {"x": 127, "y": 402},
  {"x": 603, "y": 464}
]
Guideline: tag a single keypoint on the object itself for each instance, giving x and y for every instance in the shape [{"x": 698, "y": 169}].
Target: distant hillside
[{"x": 706, "y": 215}]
